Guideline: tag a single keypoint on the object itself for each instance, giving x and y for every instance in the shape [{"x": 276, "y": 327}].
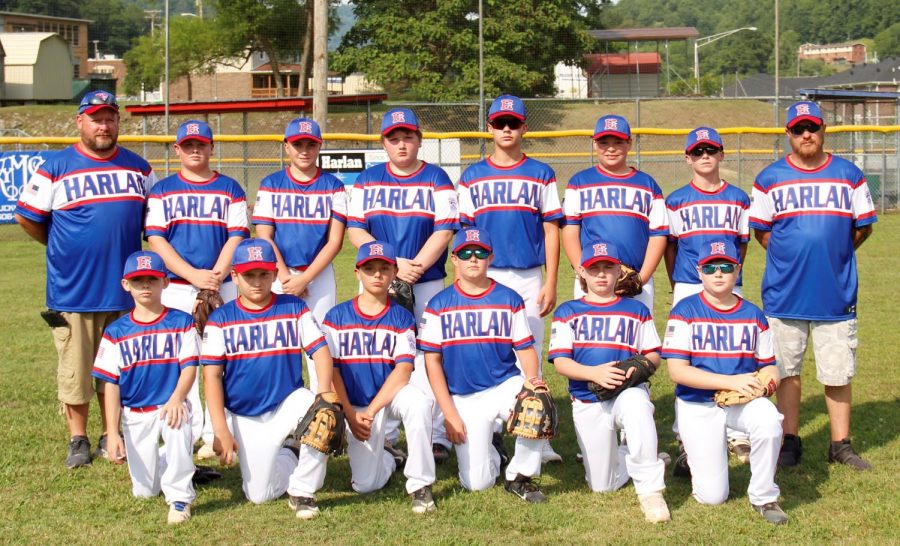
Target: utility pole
[
  {"x": 151, "y": 14},
  {"x": 320, "y": 63}
]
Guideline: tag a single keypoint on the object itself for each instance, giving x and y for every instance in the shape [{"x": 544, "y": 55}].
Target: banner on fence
[
  {"x": 15, "y": 169},
  {"x": 347, "y": 164}
]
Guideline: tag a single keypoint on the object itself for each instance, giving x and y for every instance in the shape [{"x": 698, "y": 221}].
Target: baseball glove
[
  {"x": 402, "y": 293},
  {"x": 767, "y": 378},
  {"x": 534, "y": 415},
  {"x": 322, "y": 428},
  {"x": 629, "y": 283},
  {"x": 207, "y": 302},
  {"x": 643, "y": 369}
]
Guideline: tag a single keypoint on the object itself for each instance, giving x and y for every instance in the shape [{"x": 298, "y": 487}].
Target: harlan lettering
[
  {"x": 524, "y": 193},
  {"x": 476, "y": 324},
  {"x": 366, "y": 343},
  {"x": 395, "y": 198},
  {"x": 100, "y": 184},
  {"x": 292, "y": 206},
  {"x": 150, "y": 349},
  {"x": 200, "y": 207},
  {"x": 267, "y": 336},
  {"x": 616, "y": 198},
  {"x": 711, "y": 217},
  {"x": 600, "y": 329},
  {"x": 821, "y": 196},
  {"x": 343, "y": 162},
  {"x": 723, "y": 338}
]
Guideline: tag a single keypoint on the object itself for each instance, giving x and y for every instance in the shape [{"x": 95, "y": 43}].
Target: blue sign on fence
[{"x": 15, "y": 169}]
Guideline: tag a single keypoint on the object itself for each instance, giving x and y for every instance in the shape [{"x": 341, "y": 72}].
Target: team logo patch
[
  {"x": 144, "y": 262},
  {"x": 254, "y": 254},
  {"x": 506, "y": 104},
  {"x": 398, "y": 117},
  {"x": 702, "y": 134},
  {"x": 611, "y": 124},
  {"x": 304, "y": 127},
  {"x": 600, "y": 249},
  {"x": 102, "y": 96},
  {"x": 376, "y": 250},
  {"x": 803, "y": 110},
  {"x": 717, "y": 248},
  {"x": 473, "y": 235},
  {"x": 192, "y": 129}
]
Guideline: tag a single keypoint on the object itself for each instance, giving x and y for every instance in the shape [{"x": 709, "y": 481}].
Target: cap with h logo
[
  {"x": 599, "y": 251},
  {"x": 97, "y": 100},
  {"x": 376, "y": 250},
  {"x": 507, "y": 105},
  {"x": 254, "y": 254},
  {"x": 302, "y": 128},
  {"x": 472, "y": 236},
  {"x": 144, "y": 263},
  {"x": 703, "y": 135},
  {"x": 804, "y": 110},
  {"x": 719, "y": 250},
  {"x": 399, "y": 118},
  {"x": 611, "y": 125},
  {"x": 193, "y": 129}
]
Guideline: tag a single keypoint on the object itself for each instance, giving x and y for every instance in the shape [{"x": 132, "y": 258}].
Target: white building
[{"x": 38, "y": 66}]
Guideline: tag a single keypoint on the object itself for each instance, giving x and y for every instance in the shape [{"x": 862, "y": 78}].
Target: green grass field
[{"x": 44, "y": 503}]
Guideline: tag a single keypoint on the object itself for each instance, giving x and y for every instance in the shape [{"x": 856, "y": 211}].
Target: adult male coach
[
  {"x": 86, "y": 204},
  {"x": 810, "y": 211}
]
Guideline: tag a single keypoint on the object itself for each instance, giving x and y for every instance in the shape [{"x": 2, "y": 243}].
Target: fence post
[
  {"x": 244, "y": 148},
  {"x": 740, "y": 160},
  {"x": 637, "y": 122},
  {"x": 219, "y": 148},
  {"x": 883, "y": 170}
]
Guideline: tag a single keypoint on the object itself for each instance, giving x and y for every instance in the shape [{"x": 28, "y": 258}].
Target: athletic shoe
[
  {"x": 681, "y": 468},
  {"x": 398, "y": 455},
  {"x": 579, "y": 458},
  {"x": 664, "y": 457},
  {"x": 525, "y": 489},
  {"x": 548, "y": 455},
  {"x": 740, "y": 448},
  {"x": 422, "y": 501},
  {"x": 305, "y": 507},
  {"x": 179, "y": 512},
  {"x": 206, "y": 451},
  {"x": 791, "y": 451},
  {"x": 204, "y": 474},
  {"x": 842, "y": 452},
  {"x": 441, "y": 453},
  {"x": 497, "y": 442},
  {"x": 100, "y": 452},
  {"x": 654, "y": 507},
  {"x": 79, "y": 452},
  {"x": 771, "y": 512}
]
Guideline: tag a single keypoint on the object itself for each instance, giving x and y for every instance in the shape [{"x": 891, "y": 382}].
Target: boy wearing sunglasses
[
  {"x": 588, "y": 337},
  {"x": 716, "y": 340},
  {"x": 514, "y": 197},
  {"x": 706, "y": 209},
  {"x": 473, "y": 334},
  {"x": 811, "y": 211},
  {"x": 619, "y": 204}
]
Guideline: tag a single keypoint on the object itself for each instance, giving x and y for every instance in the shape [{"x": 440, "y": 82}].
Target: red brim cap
[
  {"x": 144, "y": 273},
  {"x": 244, "y": 267},
  {"x": 717, "y": 258},
  {"x": 96, "y": 108},
  {"x": 392, "y": 128},
  {"x": 616, "y": 134},
  {"x": 371, "y": 258},
  {"x": 295, "y": 138},
  {"x": 591, "y": 261},
  {"x": 710, "y": 142},
  {"x": 194, "y": 137},
  {"x": 506, "y": 114},
  {"x": 798, "y": 119}
]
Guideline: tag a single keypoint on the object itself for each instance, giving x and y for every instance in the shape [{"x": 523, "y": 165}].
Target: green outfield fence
[{"x": 248, "y": 158}]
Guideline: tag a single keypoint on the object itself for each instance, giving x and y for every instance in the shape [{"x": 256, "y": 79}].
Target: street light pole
[
  {"x": 480, "y": 67},
  {"x": 706, "y": 40}
]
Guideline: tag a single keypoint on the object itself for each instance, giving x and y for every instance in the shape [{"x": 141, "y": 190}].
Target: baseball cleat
[
  {"x": 842, "y": 452},
  {"x": 791, "y": 451},
  {"x": 179, "y": 512},
  {"x": 422, "y": 500},
  {"x": 771, "y": 512},
  {"x": 440, "y": 452},
  {"x": 681, "y": 468},
  {"x": 654, "y": 507},
  {"x": 497, "y": 442},
  {"x": 100, "y": 452},
  {"x": 548, "y": 455},
  {"x": 740, "y": 448},
  {"x": 206, "y": 451},
  {"x": 79, "y": 452},
  {"x": 305, "y": 507},
  {"x": 398, "y": 454},
  {"x": 525, "y": 489}
]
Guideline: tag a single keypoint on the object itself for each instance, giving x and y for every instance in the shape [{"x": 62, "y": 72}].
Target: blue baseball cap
[
  {"x": 616, "y": 126},
  {"x": 376, "y": 250},
  {"x": 599, "y": 251},
  {"x": 300, "y": 128},
  {"x": 719, "y": 250},
  {"x": 254, "y": 254},
  {"x": 507, "y": 105},
  {"x": 97, "y": 100},
  {"x": 804, "y": 110},
  {"x": 193, "y": 129},
  {"x": 703, "y": 135},
  {"x": 472, "y": 236},
  {"x": 399, "y": 118},
  {"x": 144, "y": 263}
]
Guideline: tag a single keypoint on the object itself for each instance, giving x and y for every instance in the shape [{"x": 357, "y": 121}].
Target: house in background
[
  {"x": 835, "y": 54},
  {"x": 37, "y": 67},
  {"x": 73, "y": 31}
]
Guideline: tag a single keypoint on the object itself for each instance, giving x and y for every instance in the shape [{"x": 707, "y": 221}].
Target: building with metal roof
[{"x": 37, "y": 67}]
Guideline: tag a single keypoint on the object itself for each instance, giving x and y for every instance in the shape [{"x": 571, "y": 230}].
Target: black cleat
[
  {"x": 842, "y": 452},
  {"x": 791, "y": 451}
]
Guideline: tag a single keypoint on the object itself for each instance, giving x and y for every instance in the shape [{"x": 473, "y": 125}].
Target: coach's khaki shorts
[
  {"x": 834, "y": 347},
  {"x": 76, "y": 345}
]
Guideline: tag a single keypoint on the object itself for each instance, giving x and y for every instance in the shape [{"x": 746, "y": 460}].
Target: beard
[
  {"x": 807, "y": 152},
  {"x": 100, "y": 144}
]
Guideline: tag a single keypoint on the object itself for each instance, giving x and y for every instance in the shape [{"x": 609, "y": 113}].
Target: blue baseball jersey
[
  {"x": 145, "y": 359},
  {"x": 698, "y": 217},
  {"x": 593, "y": 333},
  {"x": 623, "y": 209},
  {"x": 811, "y": 215},
  {"x": 477, "y": 336},
  {"x": 511, "y": 203},
  {"x": 300, "y": 212},
  {"x": 365, "y": 348},
  {"x": 728, "y": 342},
  {"x": 405, "y": 210},
  {"x": 94, "y": 209},
  {"x": 197, "y": 218},
  {"x": 261, "y": 350}
]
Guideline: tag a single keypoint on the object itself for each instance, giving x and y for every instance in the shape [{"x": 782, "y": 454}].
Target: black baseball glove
[{"x": 643, "y": 369}]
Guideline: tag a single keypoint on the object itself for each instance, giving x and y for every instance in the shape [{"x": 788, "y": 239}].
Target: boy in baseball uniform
[
  {"x": 373, "y": 343},
  {"x": 473, "y": 333},
  {"x": 195, "y": 219},
  {"x": 302, "y": 211},
  {"x": 618, "y": 204},
  {"x": 716, "y": 340},
  {"x": 588, "y": 337},
  {"x": 252, "y": 364},
  {"x": 148, "y": 359}
]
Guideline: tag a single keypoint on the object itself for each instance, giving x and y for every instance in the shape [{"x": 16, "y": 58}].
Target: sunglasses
[
  {"x": 512, "y": 123},
  {"x": 466, "y": 253},
  {"x": 800, "y": 128},
  {"x": 709, "y": 269},
  {"x": 699, "y": 151}
]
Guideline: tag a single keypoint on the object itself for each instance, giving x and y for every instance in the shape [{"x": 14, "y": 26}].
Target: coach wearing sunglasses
[{"x": 810, "y": 211}]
